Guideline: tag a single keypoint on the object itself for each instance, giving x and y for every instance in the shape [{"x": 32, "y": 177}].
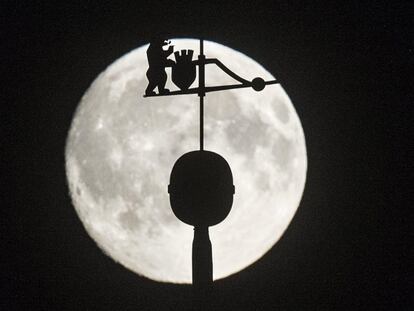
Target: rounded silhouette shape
[
  {"x": 201, "y": 188},
  {"x": 258, "y": 84}
]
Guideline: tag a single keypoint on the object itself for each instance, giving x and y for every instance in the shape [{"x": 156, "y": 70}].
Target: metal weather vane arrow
[
  {"x": 185, "y": 67},
  {"x": 257, "y": 84}
]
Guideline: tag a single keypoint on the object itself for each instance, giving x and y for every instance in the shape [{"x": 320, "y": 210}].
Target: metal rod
[
  {"x": 202, "y": 268},
  {"x": 208, "y": 89},
  {"x": 201, "y": 90},
  {"x": 225, "y": 69},
  {"x": 201, "y": 122},
  {"x": 202, "y": 257}
]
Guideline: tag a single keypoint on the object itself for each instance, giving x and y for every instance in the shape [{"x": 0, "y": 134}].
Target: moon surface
[{"x": 121, "y": 148}]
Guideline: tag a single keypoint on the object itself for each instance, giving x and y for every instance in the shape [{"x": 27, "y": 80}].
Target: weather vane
[{"x": 201, "y": 183}]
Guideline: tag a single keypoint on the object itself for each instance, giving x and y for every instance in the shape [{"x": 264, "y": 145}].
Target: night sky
[{"x": 346, "y": 67}]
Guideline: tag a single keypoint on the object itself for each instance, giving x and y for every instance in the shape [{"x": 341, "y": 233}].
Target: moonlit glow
[{"x": 121, "y": 148}]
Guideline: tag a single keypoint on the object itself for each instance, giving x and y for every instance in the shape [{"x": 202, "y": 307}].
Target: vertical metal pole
[
  {"x": 201, "y": 92},
  {"x": 202, "y": 268},
  {"x": 202, "y": 257},
  {"x": 202, "y": 254},
  {"x": 202, "y": 123}
]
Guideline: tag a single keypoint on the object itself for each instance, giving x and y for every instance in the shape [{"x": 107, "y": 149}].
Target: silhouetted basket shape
[
  {"x": 201, "y": 188},
  {"x": 184, "y": 70}
]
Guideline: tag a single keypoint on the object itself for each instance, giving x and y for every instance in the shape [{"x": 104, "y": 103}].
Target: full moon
[{"x": 121, "y": 148}]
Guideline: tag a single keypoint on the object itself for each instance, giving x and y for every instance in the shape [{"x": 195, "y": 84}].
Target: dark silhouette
[
  {"x": 157, "y": 61},
  {"x": 184, "y": 71},
  {"x": 201, "y": 194},
  {"x": 202, "y": 264},
  {"x": 201, "y": 183},
  {"x": 201, "y": 188}
]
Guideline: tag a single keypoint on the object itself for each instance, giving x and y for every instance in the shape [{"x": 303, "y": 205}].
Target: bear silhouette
[{"x": 157, "y": 61}]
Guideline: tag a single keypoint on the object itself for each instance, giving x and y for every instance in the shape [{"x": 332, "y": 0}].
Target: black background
[{"x": 346, "y": 66}]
